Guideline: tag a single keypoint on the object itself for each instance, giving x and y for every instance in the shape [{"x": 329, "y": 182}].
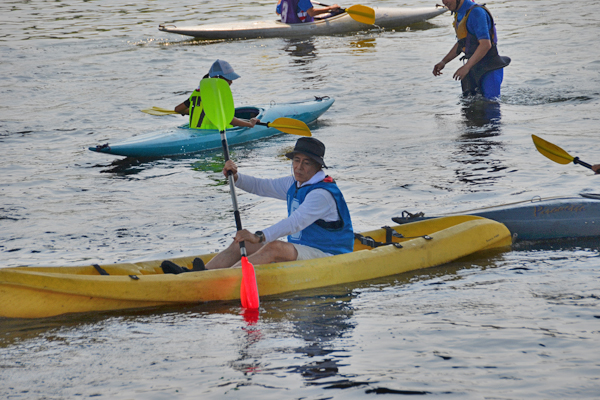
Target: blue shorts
[{"x": 490, "y": 83}]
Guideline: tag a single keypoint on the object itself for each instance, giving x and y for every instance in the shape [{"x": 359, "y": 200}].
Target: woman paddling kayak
[{"x": 193, "y": 105}]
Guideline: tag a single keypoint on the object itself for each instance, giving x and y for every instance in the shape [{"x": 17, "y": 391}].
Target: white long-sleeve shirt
[{"x": 318, "y": 203}]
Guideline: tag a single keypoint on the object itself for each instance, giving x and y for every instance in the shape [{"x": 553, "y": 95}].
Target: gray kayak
[
  {"x": 384, "y": 18},
  {"x": 538, "y": 218}
]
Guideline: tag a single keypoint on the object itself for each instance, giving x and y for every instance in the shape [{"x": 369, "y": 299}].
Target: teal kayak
[
  {"x": 539, "y": 218},
  {"x": 182, "y": 140}
]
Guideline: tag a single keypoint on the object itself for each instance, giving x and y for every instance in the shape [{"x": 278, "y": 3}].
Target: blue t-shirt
[
  {"x": 479, "y": 22},
  {"x": 304, "y": 5}
]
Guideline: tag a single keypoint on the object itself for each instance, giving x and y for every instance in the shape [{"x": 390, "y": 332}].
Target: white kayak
[{"x": 387, "y": 18}]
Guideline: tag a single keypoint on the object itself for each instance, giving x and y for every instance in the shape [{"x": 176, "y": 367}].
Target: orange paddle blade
[{"x": 249, "y": 288}]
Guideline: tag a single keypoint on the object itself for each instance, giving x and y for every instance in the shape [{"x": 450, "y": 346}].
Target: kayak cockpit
[
  {"x": 240, "y": 112},
  {"x": 247, "y": 112}
]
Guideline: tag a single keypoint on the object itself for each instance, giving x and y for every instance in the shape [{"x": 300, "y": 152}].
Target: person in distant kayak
[
  {"x": 193, "y": 105},
  {"x": 299, "y": 11},
  {"x": 318, "y": 222},
  {"x": 483, "y": 71}
]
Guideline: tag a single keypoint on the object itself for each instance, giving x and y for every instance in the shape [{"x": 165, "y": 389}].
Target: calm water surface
[{"x": 510, "y": 325}]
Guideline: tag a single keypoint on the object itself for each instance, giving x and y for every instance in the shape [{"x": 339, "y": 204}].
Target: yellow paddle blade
[
  {"x": 217, "y": 101},
  {"x": 159, "y": 111},
  {"x": 291, "y": 126},
  {"x": 552, "y": 151},
  {"x": 361, "y": 13},
  {"x": 165, "y": 110}
]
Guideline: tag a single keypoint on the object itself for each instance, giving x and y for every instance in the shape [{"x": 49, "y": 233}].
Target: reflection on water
[
  {"x": 303, "y": 51},
  {"x": 326, "y": 319},
  {"x": 320, "y": 320},
  {"x": 316, "y": 319},
  {"x": 478, "y": 155},
  {"x": 211, "y": 161},
  {"x": 363, "y": 46},
  {"x": 124, "y": 167},
  {"x": 481, "y": 115},
  {"x": 303, "y": 54},
  {"x": 418, "y": 26}
]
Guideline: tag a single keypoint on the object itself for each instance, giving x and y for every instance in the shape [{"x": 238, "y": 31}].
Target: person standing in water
[{"x": 483, "y": 71}]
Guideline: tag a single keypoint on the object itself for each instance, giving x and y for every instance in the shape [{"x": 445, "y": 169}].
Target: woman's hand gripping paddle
[
  {"x": 217, "y": 102},
  {"x": 555, "y": 153},
  {"x": 357, "y": 12}
]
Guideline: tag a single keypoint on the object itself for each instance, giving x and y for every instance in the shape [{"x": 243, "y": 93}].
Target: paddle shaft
[
  {"x": 236, "y": 211},
  {"x": 248, "y": 288},
  {"x": 325, "y": 5},
  {"x": 576, "y": 160},
  {"x": 320, "y": 4},
  {"x": 288, "y": 125}
]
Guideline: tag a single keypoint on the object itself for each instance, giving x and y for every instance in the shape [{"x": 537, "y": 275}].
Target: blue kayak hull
[
  {"x": 542, "y": 219},
  {"x": 183, "y": 140}
]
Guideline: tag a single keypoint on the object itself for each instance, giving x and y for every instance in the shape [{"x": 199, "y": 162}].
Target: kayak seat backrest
[
  {"x": 246, "y": 112},
  {"x": 381, "y": 237}
]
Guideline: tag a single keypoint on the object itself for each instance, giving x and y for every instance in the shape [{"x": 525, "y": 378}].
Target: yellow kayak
[{"x": 36, "y": 292}]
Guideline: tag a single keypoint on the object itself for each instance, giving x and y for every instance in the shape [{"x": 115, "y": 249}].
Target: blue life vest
[
  {"x": 336, "y": 237},
  {"x": 292, "y": 14}
]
